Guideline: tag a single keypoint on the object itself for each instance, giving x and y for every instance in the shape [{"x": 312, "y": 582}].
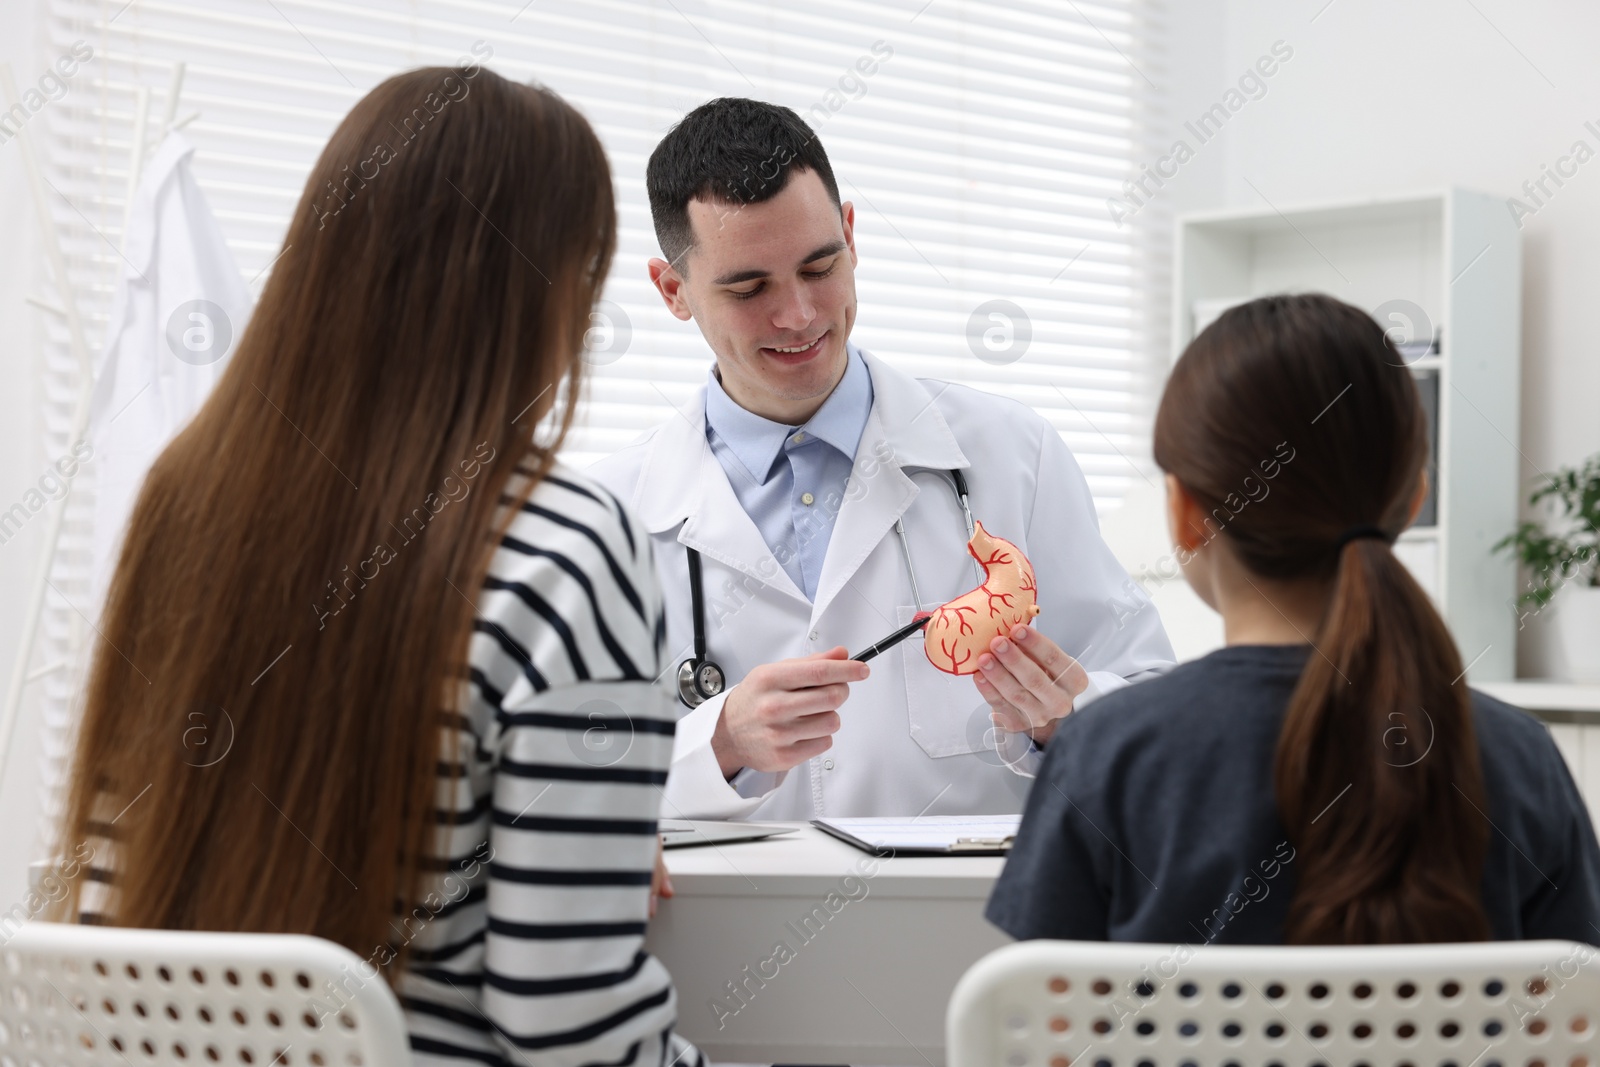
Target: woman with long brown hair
[
  {"x": 1327, "y": 777},
  {"x": 375, "y": 667}
]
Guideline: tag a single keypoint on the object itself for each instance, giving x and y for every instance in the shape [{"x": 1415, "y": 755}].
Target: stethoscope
[{"x": 700, "y": 678}]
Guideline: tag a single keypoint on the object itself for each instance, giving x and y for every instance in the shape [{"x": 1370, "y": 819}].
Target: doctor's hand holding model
[{"x": 814, "y": 499}]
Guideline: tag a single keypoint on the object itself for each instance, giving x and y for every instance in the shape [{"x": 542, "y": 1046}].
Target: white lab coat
[
  {"x": 144, "y": 394},
  {"x": 913, "y": 740}
]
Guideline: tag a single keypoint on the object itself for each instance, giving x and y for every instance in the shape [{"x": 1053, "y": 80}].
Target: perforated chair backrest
[
  {"x": 82, "y": 995},
  {"x": 1090, "y": 1004}
]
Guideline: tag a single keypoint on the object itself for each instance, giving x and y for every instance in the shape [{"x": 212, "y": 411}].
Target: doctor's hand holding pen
[
  {"x": 1029, "y": 682},
  {"x": 784, "y": 713}
]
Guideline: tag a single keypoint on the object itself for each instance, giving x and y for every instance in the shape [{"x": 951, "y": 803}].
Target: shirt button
[
  {"x": 799, "y": 438},
  {"x": 827, "y": 764},
  {"x": 813, "y": 635},
  {"x": 807, "y": 499}
]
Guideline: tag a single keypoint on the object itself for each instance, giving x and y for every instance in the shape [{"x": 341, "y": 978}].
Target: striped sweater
[{"x": 534, "y": 954}]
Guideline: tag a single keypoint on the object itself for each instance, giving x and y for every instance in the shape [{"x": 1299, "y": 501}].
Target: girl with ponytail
[{"x": 1327, "y": 777}]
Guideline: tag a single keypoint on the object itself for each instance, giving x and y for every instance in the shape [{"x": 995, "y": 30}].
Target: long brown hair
[
  {"x": 286, "y": 632},
  {"x": 1377, "y": 771}
]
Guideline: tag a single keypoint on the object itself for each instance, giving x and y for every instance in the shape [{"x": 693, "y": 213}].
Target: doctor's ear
[
  {"x": 669, "y": 283},
  {"x": 847, "y": 220}
]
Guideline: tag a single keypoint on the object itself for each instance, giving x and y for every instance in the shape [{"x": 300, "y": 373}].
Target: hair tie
[{"x": 1356, "y": 533}]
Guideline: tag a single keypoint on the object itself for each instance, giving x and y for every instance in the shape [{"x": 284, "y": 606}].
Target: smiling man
[{"x": 813, "y": 498}]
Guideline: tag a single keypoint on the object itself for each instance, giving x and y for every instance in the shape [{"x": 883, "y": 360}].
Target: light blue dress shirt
[{"x": 791, "y": 480}]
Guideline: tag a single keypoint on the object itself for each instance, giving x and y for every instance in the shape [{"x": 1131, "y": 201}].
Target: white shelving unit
[{"x": 1456, "y": 256}]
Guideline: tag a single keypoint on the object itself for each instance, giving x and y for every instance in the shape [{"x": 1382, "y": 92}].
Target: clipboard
[
  {"x": 689, "y": 833},
  {"x": 927, "y": 835}
]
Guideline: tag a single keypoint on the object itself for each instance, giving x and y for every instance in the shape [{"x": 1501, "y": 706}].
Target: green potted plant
[{"x": 1563, "y": 553}]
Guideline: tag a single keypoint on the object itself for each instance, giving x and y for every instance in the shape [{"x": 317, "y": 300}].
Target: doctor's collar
[{"x": 756, "y": 441}]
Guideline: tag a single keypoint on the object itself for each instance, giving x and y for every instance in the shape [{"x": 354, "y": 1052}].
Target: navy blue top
[{"x": 1153, "y": 818}]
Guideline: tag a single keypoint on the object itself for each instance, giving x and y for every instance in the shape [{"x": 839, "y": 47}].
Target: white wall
[
  {"x": 22, "y": 458},
  {"x": 1382, "y": 97}
]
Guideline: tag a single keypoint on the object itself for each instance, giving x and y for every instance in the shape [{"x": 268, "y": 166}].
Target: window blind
[{"x": 978, "y": 139}]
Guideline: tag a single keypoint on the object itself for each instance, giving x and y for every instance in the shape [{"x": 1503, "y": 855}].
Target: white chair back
[
  {"x": 92, "y": 995},
  {"x": 1090, "y": 1004}
]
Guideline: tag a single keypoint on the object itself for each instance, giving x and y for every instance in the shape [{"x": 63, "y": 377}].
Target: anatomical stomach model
[{"x": 960, "y": 631}]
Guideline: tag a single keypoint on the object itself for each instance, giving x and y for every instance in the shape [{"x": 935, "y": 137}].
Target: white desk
[
  {"x": 866, "y": 981},
  {"x": 1540, "y": 696}
]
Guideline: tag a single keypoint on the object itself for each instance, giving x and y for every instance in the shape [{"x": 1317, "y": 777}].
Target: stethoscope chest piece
[{"x": 699, "y": 680}]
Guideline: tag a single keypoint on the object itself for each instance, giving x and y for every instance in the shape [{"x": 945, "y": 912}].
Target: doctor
[{"x": 822, "y": 497}]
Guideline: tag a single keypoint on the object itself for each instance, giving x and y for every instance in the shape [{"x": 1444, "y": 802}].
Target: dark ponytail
[{"x": 1377, "y": 775}]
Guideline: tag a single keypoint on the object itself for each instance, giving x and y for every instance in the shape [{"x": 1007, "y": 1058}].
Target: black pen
[{"x": 893, "y": 639}]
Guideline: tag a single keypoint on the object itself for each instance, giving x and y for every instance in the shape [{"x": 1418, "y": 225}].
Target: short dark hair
[{"x": 730, "y": 149}]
